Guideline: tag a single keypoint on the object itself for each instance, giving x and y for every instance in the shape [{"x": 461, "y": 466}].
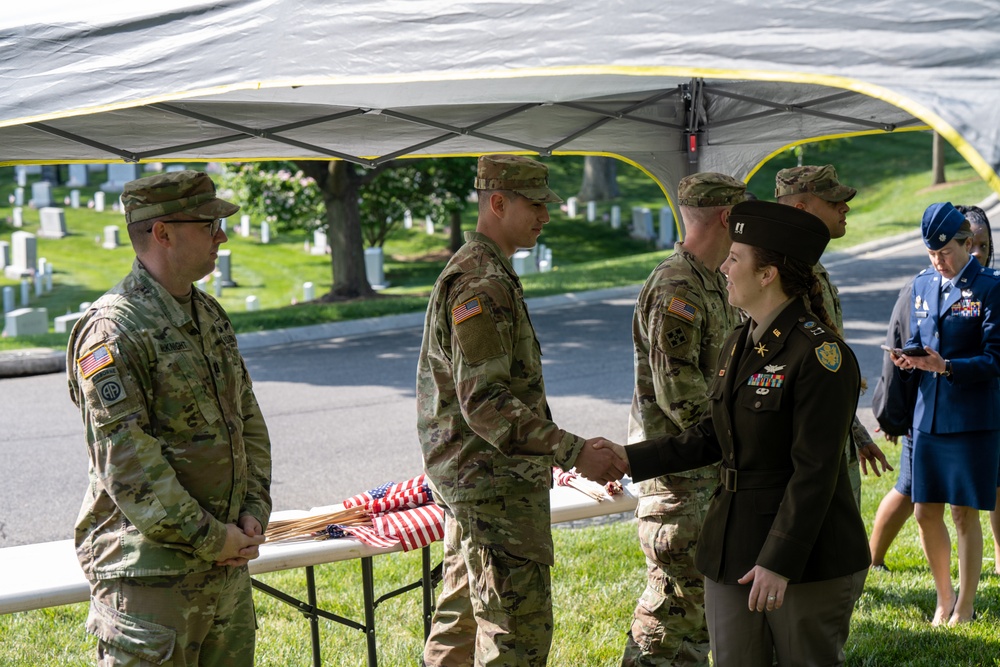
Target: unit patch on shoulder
[
  {"x": 829, "y": 356},
  {"x": 110, "y": 390},
  {"x": 676, "y": 336},
  {"x": 464, "y": 311},
  {"x": 682, "y": 309},
  {"x": 98, "y": 358}
]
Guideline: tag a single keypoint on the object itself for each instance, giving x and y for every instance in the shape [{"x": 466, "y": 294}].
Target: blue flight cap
[{"x": 939, "y": 225}]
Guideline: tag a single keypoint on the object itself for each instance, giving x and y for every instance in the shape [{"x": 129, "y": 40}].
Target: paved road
[{"x": 341, "y": 411}]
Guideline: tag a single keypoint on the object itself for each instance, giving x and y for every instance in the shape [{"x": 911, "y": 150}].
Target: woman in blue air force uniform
[
  {"x": 956, "y": 444},
  {"x": 783, "y": 547}
]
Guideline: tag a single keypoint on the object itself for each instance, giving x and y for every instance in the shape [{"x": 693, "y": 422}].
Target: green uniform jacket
[
  {"x": 778, "y": 422},
  {"x": 483, "y": 422},
  {"x": 682, "y": 317},
  {"x": 177, "y": 444}
]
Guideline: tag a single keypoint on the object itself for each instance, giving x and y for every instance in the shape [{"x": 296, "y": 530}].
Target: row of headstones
[
  {"x": 118, "y": 174},
  {"x": 35, "y": 321},
  {"x": 642, "y": 221}
]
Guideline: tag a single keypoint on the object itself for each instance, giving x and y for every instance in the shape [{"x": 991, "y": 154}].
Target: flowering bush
[{"x": 276, "y": 192}]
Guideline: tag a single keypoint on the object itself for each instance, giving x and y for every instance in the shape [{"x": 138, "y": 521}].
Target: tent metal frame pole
[
  {"x": 802, "y": 108},
  {"x": 48, "y": 129}
]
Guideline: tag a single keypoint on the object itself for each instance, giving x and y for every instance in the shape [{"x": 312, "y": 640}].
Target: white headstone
[
  {"x": 252, "y": 303},
  {"x": 8, "y": 299},
  {"x": 42, "y": 265},
  {"x": 525, "y": 262},
  {"x": 64, "y": 323},
  {"x": 429, "y": 224},
  {"x": 110, "y": 237},
  {"x": 591, "y": 211},
  {"x": 245, "y": 226},
  {"x": 319, "y": 243},
  {"x": 26, "y": 322},
  {"x": 24, "y": 250},
  {"x": 175, "y": 167},
  {"x": 265, "y": 232},
  {"x": 407, "y": 219},
  {"x": 21, "y": 174},
  {"x": 96, "y": 167},
  {"x": 202, "y": 284},
  {"x": 547, "y": 260},
  {"x": 41, "y": 194},
  {"x": 99, "y": 201},
  {"x": 222, "y": 224},
  {"x": 4, "y": 254},
  {"x": 48, "y": 277},
  {"x": 53, "y": 223},
  {"x": 25, "y": 291},
  {"x": 667, "y": 228},
  {"x": 308, "y": 291},
  {"x": 374, "y": 268},
  {"x": 78, "y": 176},
  {"x": 19, "y": 197},
  {"x": 18, "y": 216},
  {"x": 616, "y": 217},
  {"x": 33, "y": 169},
  {"x": 74, "y": 198},
  {"x": 118, "y": 175},
  {"x": 39, "y": 282},
  {"x": 571, "y": 207},
  {"x": 225, "y": 268},
  {"x": 84, "y": 305},
  {"x": 217, "y": 284}
]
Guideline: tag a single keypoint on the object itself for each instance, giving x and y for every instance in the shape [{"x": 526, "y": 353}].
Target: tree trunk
[
  {"x": 457, "y": 238},
  {"x": 339, "y": 184},
  {"x": 937, "y": 159},
  {"x": 600, "y": 182}
]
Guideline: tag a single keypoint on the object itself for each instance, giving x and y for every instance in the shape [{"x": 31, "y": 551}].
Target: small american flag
[
  {"x": 94, "y": 361},
  {"x": 388, "y": 493},
  {"x": 414, "y": 528},
  {"x": 466, "y": 310},
  {"x": 682, "y": 309}
]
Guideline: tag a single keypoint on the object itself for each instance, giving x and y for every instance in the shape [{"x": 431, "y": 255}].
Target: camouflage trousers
[
  {"x": 668, "y": 625},
  {"x": 204, "y": 619},
  {"x": 495, "y": 604}
]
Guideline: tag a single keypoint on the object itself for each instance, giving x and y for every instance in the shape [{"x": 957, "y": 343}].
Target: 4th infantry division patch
[{"x": 466, "y": 310}]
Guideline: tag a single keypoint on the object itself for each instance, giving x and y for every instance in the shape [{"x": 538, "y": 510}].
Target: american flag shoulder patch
[
  {"x": 682, "y": 309},
  {"x": 464, "y": 311},
  {"x": 98, "y": 358}
]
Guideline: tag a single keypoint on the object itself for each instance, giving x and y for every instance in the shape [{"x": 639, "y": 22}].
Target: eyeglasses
[{"x": 213, "y": 229}]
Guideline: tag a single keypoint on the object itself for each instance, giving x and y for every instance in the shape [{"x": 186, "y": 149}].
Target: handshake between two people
[{"x": 602, "y": 461}]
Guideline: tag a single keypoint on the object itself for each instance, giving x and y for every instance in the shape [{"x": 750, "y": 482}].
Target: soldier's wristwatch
[{"x": 947, "y": 368}]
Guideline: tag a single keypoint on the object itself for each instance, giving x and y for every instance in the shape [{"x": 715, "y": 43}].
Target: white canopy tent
[{"x": 671, "y": 87}]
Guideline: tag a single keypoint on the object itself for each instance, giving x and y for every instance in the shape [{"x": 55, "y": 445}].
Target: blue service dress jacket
[
  {"x": 963, "y": 328},
  {"x": 780, "y": 411}
]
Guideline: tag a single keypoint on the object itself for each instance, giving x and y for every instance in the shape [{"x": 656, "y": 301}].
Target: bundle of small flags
[
  {"x": 393, "y": 513},
  {"x": 585, "y": 486}
]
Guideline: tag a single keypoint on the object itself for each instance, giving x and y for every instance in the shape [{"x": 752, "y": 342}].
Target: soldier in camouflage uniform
[
  {"x": 682, "y": 317},
  {"x": 487, "y": 436},
  {"x": 180, "y": 463},
  {"x": 816, "y": 190}
]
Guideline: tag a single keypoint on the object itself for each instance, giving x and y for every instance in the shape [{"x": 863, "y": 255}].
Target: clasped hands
[
  {"x": 243, "y": 540},
  {"x": 602, "y": 461}
]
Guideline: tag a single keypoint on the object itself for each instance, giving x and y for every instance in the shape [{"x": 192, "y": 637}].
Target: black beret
[{"x": 779, "y": 227}]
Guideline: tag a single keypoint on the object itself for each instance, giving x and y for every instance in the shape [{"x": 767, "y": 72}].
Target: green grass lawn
[{"x": 598, "y": 576}]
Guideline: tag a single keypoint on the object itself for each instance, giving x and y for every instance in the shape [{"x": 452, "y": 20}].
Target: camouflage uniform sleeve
[
  {"x": 491, "y": 378},
  {"x": 257, "y": 442},
  {"x": 676, "y": 317},
  {"x": 126, "y": 460}
]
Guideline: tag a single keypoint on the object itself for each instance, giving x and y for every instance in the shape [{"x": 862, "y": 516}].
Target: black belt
[{"x": 742, "y": 480}]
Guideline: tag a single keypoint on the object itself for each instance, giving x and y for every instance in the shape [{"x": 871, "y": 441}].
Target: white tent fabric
[{"x": 671, "y": 87}]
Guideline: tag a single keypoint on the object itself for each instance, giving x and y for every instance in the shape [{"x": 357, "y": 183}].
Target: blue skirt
[{"x": 956, "y": 468}]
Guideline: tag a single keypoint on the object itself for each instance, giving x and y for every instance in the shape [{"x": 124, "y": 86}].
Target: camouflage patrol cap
[
  {"x": 528, "y": 178},
  {"x": 189, "y": 192},
  {"x": 820, "y": 181},
  {"x": 709, "y": 188},
  {"x": 783, "y": 229}
]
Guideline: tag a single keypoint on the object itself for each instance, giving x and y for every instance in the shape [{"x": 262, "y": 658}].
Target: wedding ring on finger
[{"x": 771, "y": 598}]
